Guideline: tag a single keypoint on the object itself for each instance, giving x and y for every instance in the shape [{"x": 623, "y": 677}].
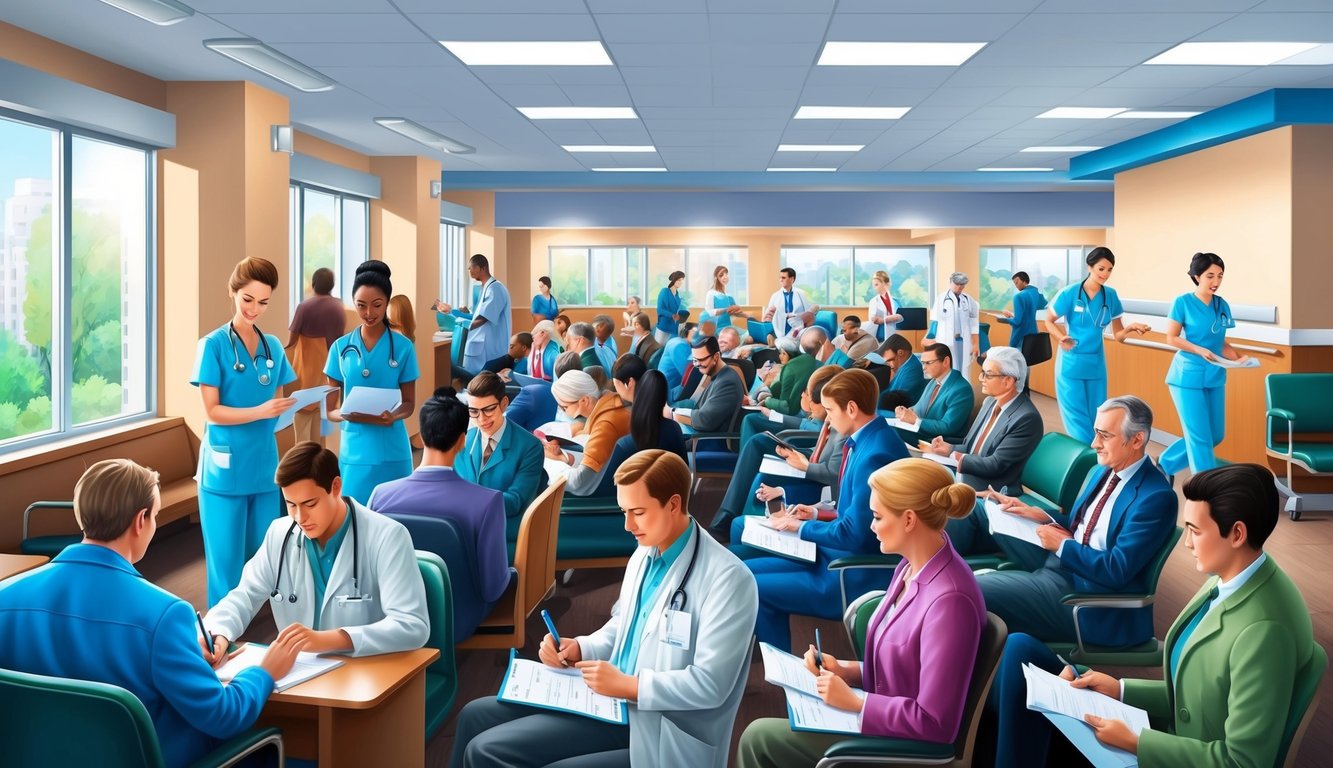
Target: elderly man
[
  {"x": 954, "y": 320},
  {"x": 784, "y": 393},
  {"x": 729, "y": 341},
  {"x": 946, "y": 401},
  {"x": 582, "y": 339},
  {"x": 642, "y": 342}
]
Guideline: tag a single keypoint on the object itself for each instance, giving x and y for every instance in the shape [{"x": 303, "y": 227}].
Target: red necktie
[
  {"x": 689, "y": 368},
  {"x": 1097, "y": 511},
  {"x": 535, "y": 367},
  {"x": 846, "y": 453}
]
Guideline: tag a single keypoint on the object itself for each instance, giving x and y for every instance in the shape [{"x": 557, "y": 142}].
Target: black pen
[
  {"x": 206, "y": 635},
  {"x": 819, "y": 651}
]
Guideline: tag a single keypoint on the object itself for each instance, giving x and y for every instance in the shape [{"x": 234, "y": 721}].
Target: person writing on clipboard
[{"x": 676, "y": 649}]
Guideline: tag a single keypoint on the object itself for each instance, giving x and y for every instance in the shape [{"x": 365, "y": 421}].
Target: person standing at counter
[{"x": 544, "y": 305}]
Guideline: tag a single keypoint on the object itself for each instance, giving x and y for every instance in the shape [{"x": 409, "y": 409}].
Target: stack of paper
[
  {"x": 805, "y": 710},
  {"x": 1007, "y": 524},
  {"x": 371, "y": 401},
  {"x": 772, "y": 465},
  {"x": 560, "y": 432},
  {"x": 307, "y": 665},
  {"x": 914, "y": 426},
  {"x": 537, "y": 685},
  {"x": 876, "y": 358},
  {"x": 1065, "y": 706},
  {"x": 758, "y": 534},
  {"x": 1224, "y": 363},
  {"x": 304, "y": 397},
  {"x": 947, "y": 461}
]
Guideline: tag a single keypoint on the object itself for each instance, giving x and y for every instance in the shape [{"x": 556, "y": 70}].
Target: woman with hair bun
[
  {"x": 921, "y": 643},
  {"x": 374, "y": 447}
]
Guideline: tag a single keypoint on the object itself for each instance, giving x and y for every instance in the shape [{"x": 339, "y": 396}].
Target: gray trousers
[{"x": 491, "y": 732}]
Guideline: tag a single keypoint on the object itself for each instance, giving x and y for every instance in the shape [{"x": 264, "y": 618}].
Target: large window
[
  {"x": 75, "y": 284},
  {"x": 331, "y": 230},
  {"x": 606, "y": 276},
  {"x": 453, "y": 264},
  {"x": 1051, "y": 268},
  {"x": 841, "y": 276}
]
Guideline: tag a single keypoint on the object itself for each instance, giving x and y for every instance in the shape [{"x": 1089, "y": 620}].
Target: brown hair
[
  {"x": 853, "y": 386},
  {"x": 924, "y": 487},
  {"x": 110, "y": 495},
  {"x": 820, "y": 379},
  {"x": 664, "y": 473},
  {"x": 307, "y": 461},
  {"x": 322, "y": 281},
  {"x": 717, "y": 277},
  {"x": 252, "y": 269},
  {"x": 400, "y": 316}
]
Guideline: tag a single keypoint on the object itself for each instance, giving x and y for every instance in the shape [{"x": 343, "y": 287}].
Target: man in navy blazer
[
  {"x": 788, "y": 586},
  {"x": 477, "y": 513},
  {"x": 909, "y": 380},
  {"x": 946, "y": 402},
  {"x": 1121, "y": 521}
]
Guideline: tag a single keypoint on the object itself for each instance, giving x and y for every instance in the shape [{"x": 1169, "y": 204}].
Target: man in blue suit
[
  {"x": 90, "y": 615},
  {"x": 946, "y": 403},
  {"x": 477, "y": 513},
  {"x": 908, "y": 381},
  {"x": 534, "y": 405},
  {"x": 789, "y": 587},
  {"x": 499, "y": 455},
  {"x": 1022, "y": 320},
  {"x": 1119, "y": 524}
]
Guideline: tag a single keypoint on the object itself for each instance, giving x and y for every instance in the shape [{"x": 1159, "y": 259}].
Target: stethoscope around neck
[
  {"x": 233, "y": 336},
  {"x": 361, "y": 357},
  {"x": 276, "y": 594},
  {"x": 1103, "y": 315}
]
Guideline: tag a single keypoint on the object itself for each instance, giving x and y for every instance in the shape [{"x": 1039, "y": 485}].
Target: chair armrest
[
  {"x": 1094, "y": 600},
  {"x": 694, "y": 437},
  {"x": 801, "y": 438},
  {"x": 865, "y": 561},
  {"x": 43, "y": 505},
  {"x": 234, "y": 750},
  {"x": 887, "y": 748},
  {"x": 1282, "y": 413}
]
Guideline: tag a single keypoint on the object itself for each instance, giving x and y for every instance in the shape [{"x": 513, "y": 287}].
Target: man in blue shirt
[
  {"x": 1022, "y": 320},
  {"x": 90, "y": 615}
]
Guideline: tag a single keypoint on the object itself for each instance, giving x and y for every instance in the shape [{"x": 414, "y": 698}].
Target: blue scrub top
[
  {"x": 720, "y": 303},
  {"x": 240, "y": 459},
  {"x": 322, "y": 559},
  {"x": 548, "y": 308},
  {"x": 1205, "y": 325},
  {"x": 372, "y": 443},
  {"x": 669, "y": 306},
  {"x": 1085, "y": 319}
]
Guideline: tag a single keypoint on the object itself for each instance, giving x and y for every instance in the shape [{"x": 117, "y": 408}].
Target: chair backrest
[
  {"x": 534, "y": 552},
  {"x": 1297, "y": 392},
  {"x": 1304, "y": 702},
  {"x": 440, "y": 609},
  {"x": 1159, "y": 560},
  {"x": 1058, "y": 467},
  {"x": 914, "y": 318},
  {"x": 983, "y": 337},
  {"x": 989, "y": 649},
  {"x": 857, "y": 619},
  {"x": 828, "y": 320},
  {"x": 655, "y": 359},
  {"x": 37, "y": 712},
  {"x": 765, "y": 355},
  {"x": 745, "y": 368},
  {"x": 440, "y": 536},
  {"x": 457, "y": 343}
]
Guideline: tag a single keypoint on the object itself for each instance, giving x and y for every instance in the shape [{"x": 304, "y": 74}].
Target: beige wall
[{"x": 1312, "y": 226}]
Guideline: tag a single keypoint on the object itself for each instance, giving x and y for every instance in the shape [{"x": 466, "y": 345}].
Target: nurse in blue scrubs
[
  {"x": 718, "y": 303},
  {"x": 544, "y": 305},
  {"x": 374, "y": 449},
  {"x": 1087, "y": 309},
  {"x": 240, "y": 372},
  {"x": 1197, "y": 326}
]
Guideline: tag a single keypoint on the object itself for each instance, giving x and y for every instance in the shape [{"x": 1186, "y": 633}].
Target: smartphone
[{"x": 776, "y": 506}]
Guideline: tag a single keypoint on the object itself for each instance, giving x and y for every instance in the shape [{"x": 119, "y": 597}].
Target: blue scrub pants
[
  {"x": 1203, "y": 420},
  {"x": 233, "y": 529},
  {"x": 1078, "y": 400},
  {"x": 359, "y": 480}
]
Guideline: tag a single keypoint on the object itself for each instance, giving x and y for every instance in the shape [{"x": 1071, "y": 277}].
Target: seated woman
[
  {"x": 372, "y": 603},
  {"x": 1231, "y": 658},
  {"x": 648, "y": 429},
  {"x": 921, "y": 644},
  {"x": 607, "y": 420}
]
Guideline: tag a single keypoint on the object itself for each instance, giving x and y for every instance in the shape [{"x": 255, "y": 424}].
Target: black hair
[
  {"x": 478, "y": 260},
  {"x": 629, "y": 368},
  {"x": 375, "y": 274},
  {"x": 1021, "y": 275},
  {"x": 1099, "y": 253},
  {"x": 898, "y": 343},
  {"x": 708, "y": 342},
  {"x": 1200, "y": 262},
  {"x": 645, "y": 414},
  {"x": 674, "y": 276},
  {"x": 524, "y": 339},
  {"x": 941, "y": 351},
  {"x": 443, "y": 419},
  {"x": 853, "y": 319},
  {"x": 788, "y": 271},
  {"x": 1238, "y": 493},
  {"x": 544, "y": 280}
]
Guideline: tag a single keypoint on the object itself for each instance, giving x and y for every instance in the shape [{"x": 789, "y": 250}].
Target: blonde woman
[
  {"x": 884, "y": 313},
  {"x": 401, "y": 318}
]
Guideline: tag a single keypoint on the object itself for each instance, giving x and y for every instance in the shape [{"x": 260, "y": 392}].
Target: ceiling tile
[
  {"x": 324, "y": 27},
  {"x": 492, "y": 26}
]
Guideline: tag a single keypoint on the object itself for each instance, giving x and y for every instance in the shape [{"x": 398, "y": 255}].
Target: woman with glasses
[
  {"x": 607, "y": 419},
  {"x": 240, "y": 371},
  {"x": 1197, "y": 327},
  {"x": 1076, "y": 321}
]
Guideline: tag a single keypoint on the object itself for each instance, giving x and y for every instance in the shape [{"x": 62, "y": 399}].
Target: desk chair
[
  {"x": 442, "y": 674},
  {"x": 745, "y": 368},
  {"x": 880, "y": 751},
  {"x": 456, "y": 346},
  {"x": 709, "y": 453},
  {"x": 111, "y": 727},
  {"x": 914, "y": 318},
  {"x": 46, "y": 545},
  {"x": 828, "y": 320},
  {"x": 440, "y": 537},
  {"x": 1301, "y": 402},
  {"x": 1055, "y": 472}
]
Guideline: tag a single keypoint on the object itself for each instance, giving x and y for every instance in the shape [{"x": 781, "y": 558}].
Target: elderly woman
[
  {"x": 540, "y": 361},
  {"x": 607, "y": 419}
]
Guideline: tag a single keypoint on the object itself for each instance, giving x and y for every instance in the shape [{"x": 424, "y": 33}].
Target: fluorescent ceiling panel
[
  {"x": 1230, "y": 54},
  {"x": 423, "y": 135},
  {"x": 262, "y": 58},
  {"x": 570, "y": 53},
  {"x": 820, "y": 147},
  {"x": 609, "y": 148},
  {"x": 802, "y": 170},
  {"x": 1016, "y": 170},
  {"x": 1082, "y": 113},
  {"x": 579, "y": 113},
  {"x": 160, "y": 12},
  {"x": 1153, "y": 115},
  {"x": 1059, "y": 149},
  {"x": 856, "y": 54},
  {"x": 851, "y": 113}
]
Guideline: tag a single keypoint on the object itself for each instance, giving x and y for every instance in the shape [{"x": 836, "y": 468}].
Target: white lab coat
[
  {"x": 963, "y": 310},
  {"x": 393, "y": 619},
  {"x": 687, "y": 696},
  {"x": 877, "y": 309},
  {"x": 800, "y": 304}
]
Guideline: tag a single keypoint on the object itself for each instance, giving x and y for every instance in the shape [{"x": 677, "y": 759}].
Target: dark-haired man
[
  {"x": 316, "y": 324},
  {"x": 946, "y": 402},
  {"x": 496, "y": 456},
  {"x": 716, "y": 401}
]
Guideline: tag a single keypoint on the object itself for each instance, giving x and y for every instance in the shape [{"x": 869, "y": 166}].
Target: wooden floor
[{"x": 1304, "y": 549}]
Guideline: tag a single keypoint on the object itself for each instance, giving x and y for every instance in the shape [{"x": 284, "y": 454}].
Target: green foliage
[
  {"x": 22, "y": 379},
  {"x": 94, "y": 399},
  {"x": 317, "y": 246},
  {"x": 37, "y": 305},
  {"x": 17, "y": 422}
]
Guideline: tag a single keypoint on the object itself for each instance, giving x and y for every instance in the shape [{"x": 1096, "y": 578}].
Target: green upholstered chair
[
  {"x": 592, "y": 534},
  {"x": 37, "y": 714},
  {"x": 47, "y": 545},
  {"x": 1298, "y": 405},
  {"x": 862, "y": 562},
  {"x": 857, "y": 619},
  {"x": 1055, "y": 472},
  {"x": 1304, "y": 702},
  {"x": 442, "y": 674},
  {"x": 881, "y": 751}
]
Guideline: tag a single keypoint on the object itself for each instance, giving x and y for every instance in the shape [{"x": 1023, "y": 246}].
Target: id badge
[
  {"x": 676, "y": 629},
  {"x": 1078, "y": 307}
]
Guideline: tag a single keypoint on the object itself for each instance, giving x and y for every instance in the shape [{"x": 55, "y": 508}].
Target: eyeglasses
[
  {"x": 1103, "y": 435},
  {"x": 702, "y": 360},
  {"x": 485, "y": 410},
  {"x": 985, "y": 376},
  {"x": 932, "y": 362}
]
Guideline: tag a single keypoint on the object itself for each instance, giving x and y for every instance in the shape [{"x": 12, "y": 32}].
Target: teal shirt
[
  {"x": 654, "y": 574},
  {"x": 322, "y": 560}
]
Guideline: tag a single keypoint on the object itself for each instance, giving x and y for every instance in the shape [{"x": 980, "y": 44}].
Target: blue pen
[
  {"x": 555, "y": 636},
  {"x": 819, "y": 651}
]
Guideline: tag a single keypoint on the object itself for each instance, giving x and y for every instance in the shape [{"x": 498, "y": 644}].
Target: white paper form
[
  {"x": 1008, "y": 524},
  {"x": 307, "y": 665},
  {"x": 1224, "y": 363},
  {"x": 556, "y": 469},
  {"x": 1051, "y": 693},
  {"x": 772, "y": 465},
  {"x": 808, "y": 713},
  {"x": 537, "y": 685},
  {"x": 304, "y": 397},
  {"x": 371, "y": 401},
  {"x": 788, "y": 671},
  {"x": 900, "y": 424},
  {"x": 561, "y": 431},
  {"x": 786, "y": 543}
]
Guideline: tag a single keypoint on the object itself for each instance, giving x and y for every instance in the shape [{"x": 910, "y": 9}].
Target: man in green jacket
[{"x": 785, "y": 391}]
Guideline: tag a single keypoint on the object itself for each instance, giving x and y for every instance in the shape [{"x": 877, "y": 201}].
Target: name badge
[
  {"x": 675, "y": 629},
  {"x": 1078, "y": 307}
]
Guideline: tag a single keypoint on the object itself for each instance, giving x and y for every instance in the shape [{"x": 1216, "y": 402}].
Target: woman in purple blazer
[{"x": 922, "y": 642}]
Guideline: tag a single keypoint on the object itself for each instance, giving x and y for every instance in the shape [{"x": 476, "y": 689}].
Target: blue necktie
[
  {"x": 1185, "y": 633},
  {"x": 786, "y": 297}
]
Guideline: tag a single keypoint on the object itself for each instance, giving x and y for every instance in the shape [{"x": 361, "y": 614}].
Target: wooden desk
[
  {"x": 444, "y": 365},
  {"x": 13, "y": 565},
  {"x": 369, "y": 711}
]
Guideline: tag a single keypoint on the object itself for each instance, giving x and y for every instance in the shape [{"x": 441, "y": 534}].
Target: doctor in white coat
[
  {"x": 789, "y": 309},
  {"x": 677, "y": 648},
  {"x": 342, "y": 576},
  {"x": 954, "y": 320}
]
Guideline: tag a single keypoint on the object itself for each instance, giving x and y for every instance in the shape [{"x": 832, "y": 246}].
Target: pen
[
  {"x": 1065, "y": 661},
  {"x": 819, "y": 651},
  {"x": 204, "y": 631},
  {"x": 555, "y": 636}
]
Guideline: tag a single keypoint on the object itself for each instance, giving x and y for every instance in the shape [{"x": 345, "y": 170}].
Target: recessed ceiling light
[
  {"x": 850, "y": 113},
  {"x": 609, "y": 148},
  {"x": 423, "y": 135},
  {"x": 1230, "y": 54},
  {"x": 262, "y": 58},
  {"x": 802, "y": 170},
  {"x": 897, "y": 54},
  {"x": 579, "y": 113},
  {"x": 1059, "y": 149},
  {"x": 160, "y": 12},
  {"x": 821, "y": 147},
  {"x": 1085, "y": 113},
  {"x": 514, "y": 53},
  {"x": 1016, "y": 170},
  {"x": 629, "y": 170},
  {"x": 1153, "y": 115}
]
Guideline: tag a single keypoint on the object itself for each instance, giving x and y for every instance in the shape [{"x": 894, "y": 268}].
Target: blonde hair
[
  {"x": 717, "y": 277},
  {"x": 110, "y": 495},
  {"x": 924, "y": 487},
  {"x": 663, "y": 472},
  {"x": 401, "y": 318},
  {"x": 882, "y": 276}
]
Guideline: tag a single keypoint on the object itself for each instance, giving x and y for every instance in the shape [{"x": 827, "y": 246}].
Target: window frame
[
  {"x": 852, "y": 265},
  {"x": 455, "y": 285},
  {"x": 638, "y": 257},
  {"x": 296, "y": 241},
  {"x": 1014, "y": 266}
]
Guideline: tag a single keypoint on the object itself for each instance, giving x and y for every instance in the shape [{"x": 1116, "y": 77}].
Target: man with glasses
[
  {"x": 506, "y": 460},
  {"x": 717, "y": 399},
  {"x": 946, "y": 402}
]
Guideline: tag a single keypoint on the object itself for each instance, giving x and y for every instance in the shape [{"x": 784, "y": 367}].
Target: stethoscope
[
  {"x": 1221, "y": 321},
  {"x": 351, "y": 347},
  {"x": 233, "y": 336},
  {"x": 276, "y": 594},
  {"x": 1103, "y": 314},
  {"x": 679, "y": 597}
]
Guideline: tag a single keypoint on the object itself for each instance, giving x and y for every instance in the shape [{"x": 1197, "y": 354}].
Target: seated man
[
  {"x": 717, "y": 399},
  {"x": 784, "y": 392},
  {"x": 540, "y": 360},
  {"x": 604, "y": 343},
  {"x": 1005, "y": 433},
  {"x": 852, "y": 345},
  {"x": 90, "y": 615},
  {"x": 682, "y": 688},
  {"x": 520, "y": 344},
  {"x": 498, "y": 457},
  {"x": 478, "y": 514},
  {"x": 946, "y": 402},
  {"x": 534, "y": 405},
  {"x": 642, "y": 342},
  {"x": 582, "y": 339},
  {"x": 1106, "y": 544},
  {"x": 368, "y": 604},
  {"x": 1231, "y": 661},
  {"x": 729, "y": 341},
  {"x": 908, "y": 380}
]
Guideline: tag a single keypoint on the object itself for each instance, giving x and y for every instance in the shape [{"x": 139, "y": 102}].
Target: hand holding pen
[
  {"x": 1098, "y": 681},
  {"x": 555, "y": 652}
]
